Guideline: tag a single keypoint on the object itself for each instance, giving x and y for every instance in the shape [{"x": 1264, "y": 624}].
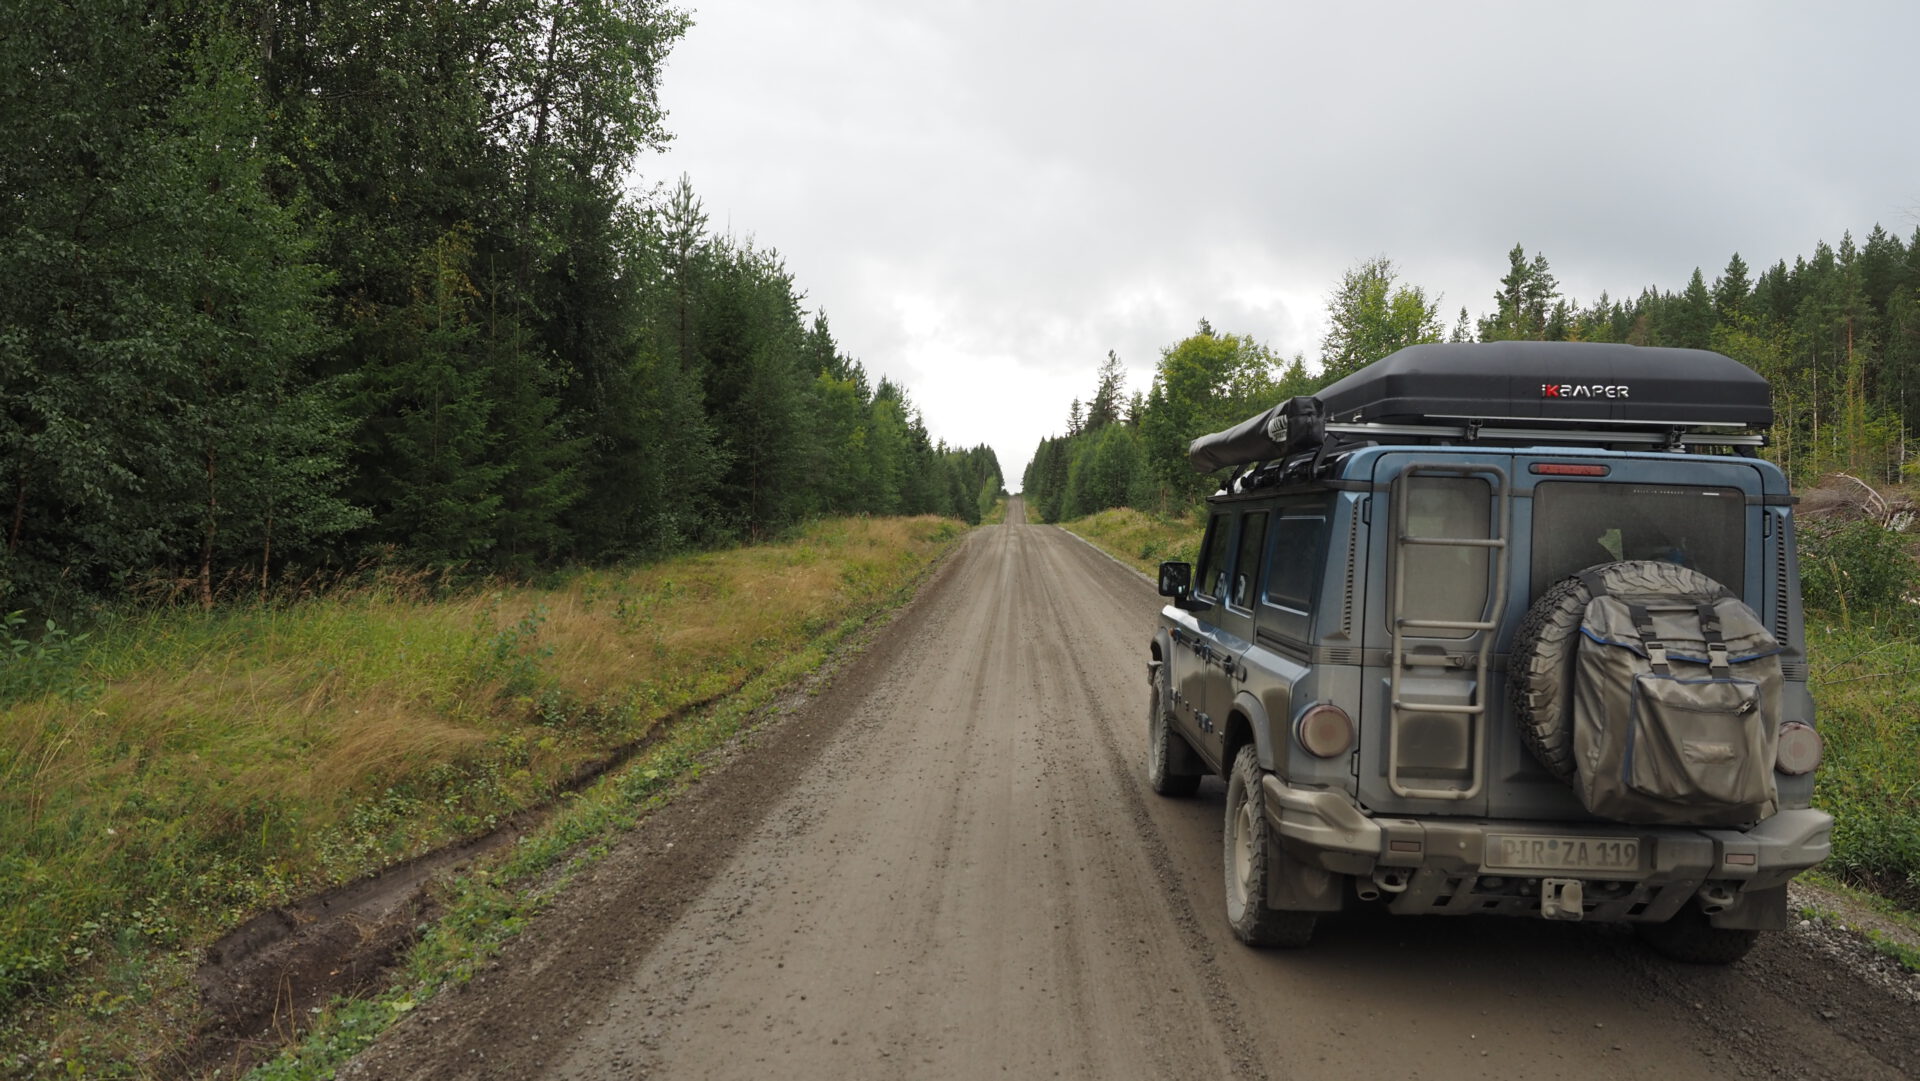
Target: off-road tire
[
  {"x": 1689, "y": 938},
  {"x": 1161, "y": 749},
  {"x": 1540, "y": 690},
  {"x": 1248, "y": 844}
]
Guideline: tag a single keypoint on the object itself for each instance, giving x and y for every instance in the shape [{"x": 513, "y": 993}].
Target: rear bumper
[{"x": 1442, "y": 865}]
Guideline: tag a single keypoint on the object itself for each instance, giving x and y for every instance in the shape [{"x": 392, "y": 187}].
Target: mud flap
[
  {"x": 1754, "y": 910},
  {"x": 1296, "y": 886}
]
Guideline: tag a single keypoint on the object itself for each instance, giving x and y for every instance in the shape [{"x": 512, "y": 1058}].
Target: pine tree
[
  {"x": 1462, "y": 328},
  {"x": 1730, "y": 289},
  {"x": 1523, "y": 303},
  {"x": 1104, "y": 408},
  {"x": 1690, "y": 319}
]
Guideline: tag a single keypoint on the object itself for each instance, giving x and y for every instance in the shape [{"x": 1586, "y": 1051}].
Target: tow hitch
[{"x": 1562, "y": 898}]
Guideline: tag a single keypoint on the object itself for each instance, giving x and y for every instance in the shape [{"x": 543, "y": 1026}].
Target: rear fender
[{"x": 1259, "y": 729}]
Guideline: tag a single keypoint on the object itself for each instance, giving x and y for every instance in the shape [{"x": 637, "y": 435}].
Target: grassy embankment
[
  {"x": 1141, "y": 540},
  {"x": 1862, "y": 676},
  {"x": 177, "y": 771}
]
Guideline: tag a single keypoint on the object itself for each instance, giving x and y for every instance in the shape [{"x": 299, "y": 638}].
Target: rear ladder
[{"x": 1483, "y": 629}]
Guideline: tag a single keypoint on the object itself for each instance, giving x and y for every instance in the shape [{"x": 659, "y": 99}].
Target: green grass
[
  {"x": 1139, "y": 539},
  {"x": 1862, "y": 681},
  {"x": 1885, "y": 944},
  {"x": 185, "y": 770},
  {"x": 486, "y": 909}
]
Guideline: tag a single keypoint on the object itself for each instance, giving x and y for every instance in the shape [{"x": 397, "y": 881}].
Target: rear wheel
[
  {"x": 1690, "y": 938},
  {"x": 1249, "y": 848},
  {"x": 1161, "y": 750}
]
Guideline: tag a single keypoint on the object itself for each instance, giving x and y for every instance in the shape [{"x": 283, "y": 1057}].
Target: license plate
[{"x": 1510, "y": 853}]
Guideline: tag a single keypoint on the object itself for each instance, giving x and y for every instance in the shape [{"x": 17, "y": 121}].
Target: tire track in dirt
[
  {"x": 1068, "y": 562},
  {"x": 948, "y": 866}
]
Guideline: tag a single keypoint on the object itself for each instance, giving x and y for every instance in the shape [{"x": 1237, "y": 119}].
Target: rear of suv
[{"x": 1506, "y": 628}]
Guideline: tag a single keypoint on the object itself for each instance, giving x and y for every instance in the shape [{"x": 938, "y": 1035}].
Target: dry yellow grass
[{"x": 213, "y": 763}]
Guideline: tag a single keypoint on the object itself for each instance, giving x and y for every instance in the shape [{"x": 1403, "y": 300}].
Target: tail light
[
  {"x": 1325, "y": 730},
  {"x": 1800, "y": 749}
]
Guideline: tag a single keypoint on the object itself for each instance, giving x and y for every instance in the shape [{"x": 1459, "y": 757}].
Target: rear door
[
  {"x": 1439, "y": 555},
  {"x": 1574, "y": 510}
]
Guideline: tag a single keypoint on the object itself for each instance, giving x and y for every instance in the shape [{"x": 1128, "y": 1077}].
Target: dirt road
[{"x": 946, "y": 865}]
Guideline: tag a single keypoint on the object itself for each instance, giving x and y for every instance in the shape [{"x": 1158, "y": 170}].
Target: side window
[
  {"x": 1246, "y": 563},
  {"x": 1210, "y": 580},
  {"x": 1446, "y": 582},
  {"x": 1296, "y": 548},
  {"x": 1299, "y": 545}
]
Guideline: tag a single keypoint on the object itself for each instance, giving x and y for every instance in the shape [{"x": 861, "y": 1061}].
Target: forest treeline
[
  {"x": 1836, "y": 333},
  {"x": 289, "y": 285}
]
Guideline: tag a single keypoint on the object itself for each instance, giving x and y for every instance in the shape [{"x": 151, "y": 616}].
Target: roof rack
[
  {"x": 1511, "y": 393},
  {"x": 1678, "y": 437}
]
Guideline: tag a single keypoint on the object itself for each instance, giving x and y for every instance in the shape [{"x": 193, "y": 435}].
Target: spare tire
[{"x": 1540, "y": 668}]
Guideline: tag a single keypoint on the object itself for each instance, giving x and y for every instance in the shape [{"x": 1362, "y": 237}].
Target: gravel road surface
[{"x": 945, "y": 864}]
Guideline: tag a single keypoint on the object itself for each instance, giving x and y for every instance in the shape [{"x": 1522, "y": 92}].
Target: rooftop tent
[{"x": 1541, "y": 384}]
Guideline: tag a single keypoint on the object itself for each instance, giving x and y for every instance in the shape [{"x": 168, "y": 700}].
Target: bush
[{"x": 1856, "y": 568}]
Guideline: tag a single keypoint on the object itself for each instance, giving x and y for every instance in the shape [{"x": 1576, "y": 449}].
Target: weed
[
  {"x": 223, "y": 762},
  {"x": 33, "y": 665},
  {"x": 1900, "y": 952},
  {"x": 1870, "y": 778},
  {"x": 488, "y": 906},
  {"x": 1139, "y": 539},
  {"x": 1858, "y": 570}
]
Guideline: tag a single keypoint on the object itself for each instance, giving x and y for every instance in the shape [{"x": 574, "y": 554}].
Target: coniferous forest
[
  {"x": 292, "y": 286},
  {"x": 1836, "y": 333}
]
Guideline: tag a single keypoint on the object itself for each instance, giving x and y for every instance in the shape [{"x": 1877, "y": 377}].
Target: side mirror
[{"x": 1176, "y": 581}]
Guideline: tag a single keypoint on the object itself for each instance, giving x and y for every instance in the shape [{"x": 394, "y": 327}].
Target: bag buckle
[
  {"x": 1717, "y": 655},
  {"x": 1657, "y": 656}
]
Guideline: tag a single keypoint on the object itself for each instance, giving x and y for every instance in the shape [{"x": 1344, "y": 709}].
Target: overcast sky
[{"x": 985, "y": 196}]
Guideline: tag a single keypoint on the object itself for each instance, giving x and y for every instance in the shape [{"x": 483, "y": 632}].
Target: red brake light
[
  {"x": 1325, "y": 730},
  {"x": 1568, "y": 469}
]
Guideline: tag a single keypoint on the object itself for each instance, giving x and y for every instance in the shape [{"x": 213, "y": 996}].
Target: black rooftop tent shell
[{"x": 1536, "y": 384}]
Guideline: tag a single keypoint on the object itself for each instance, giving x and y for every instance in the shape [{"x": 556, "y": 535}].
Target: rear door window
[
  {"x": 1299, "y": 545},
  {"x": 1246, "y": 563},
  {"x": 1578, "y": 524},
  {"x": 1297, "y": 549}
]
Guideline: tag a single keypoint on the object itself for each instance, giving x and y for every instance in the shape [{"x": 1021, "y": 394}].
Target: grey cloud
[{"x": 977, "y": 184}]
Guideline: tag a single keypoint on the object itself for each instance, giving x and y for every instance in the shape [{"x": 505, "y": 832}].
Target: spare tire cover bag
[{"x": 1678, "y": 742}]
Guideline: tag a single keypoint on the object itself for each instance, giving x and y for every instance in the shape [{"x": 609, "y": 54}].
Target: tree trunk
[
  {"x": 206, "y": 538},
  {"x": 19, "y": 511},
  {"x": 266, "y": 557}
]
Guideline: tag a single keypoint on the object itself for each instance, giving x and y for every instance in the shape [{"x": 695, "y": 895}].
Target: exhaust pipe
[
  {"x": 1392, "y": 881},
  {"x": 1715, "y": 899}
]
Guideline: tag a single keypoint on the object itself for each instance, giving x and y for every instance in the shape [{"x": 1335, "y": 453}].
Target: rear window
[
  {"x": 1446, "y": 582},
  {"x": 1576, "y": 525}
]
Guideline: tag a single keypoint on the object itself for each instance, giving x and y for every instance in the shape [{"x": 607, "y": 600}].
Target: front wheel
[
  {"x": 1250, "y": 845},
  {"x": 1161, "y": 750}
]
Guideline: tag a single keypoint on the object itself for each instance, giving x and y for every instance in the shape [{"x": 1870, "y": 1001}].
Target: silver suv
[{"x": 1389, "y": 650}]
